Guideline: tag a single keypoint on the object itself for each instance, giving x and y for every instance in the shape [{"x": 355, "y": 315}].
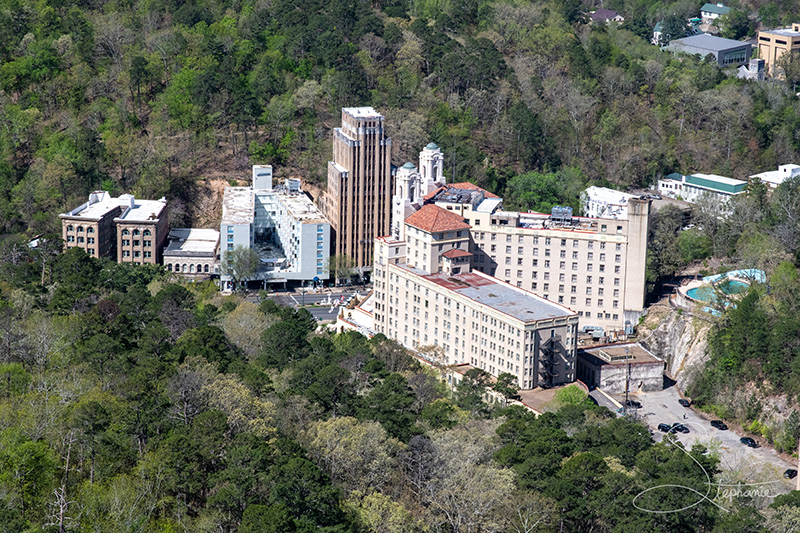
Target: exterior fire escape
[{"x": 548, "y": 361}]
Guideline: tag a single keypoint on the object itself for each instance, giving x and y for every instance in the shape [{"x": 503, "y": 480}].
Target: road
[
  {"x": 736, "y": 459},
  {"x": 318, "y": 304}
]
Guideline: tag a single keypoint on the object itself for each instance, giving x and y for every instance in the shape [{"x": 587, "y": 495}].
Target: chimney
[{"x": 796, "y": 26}]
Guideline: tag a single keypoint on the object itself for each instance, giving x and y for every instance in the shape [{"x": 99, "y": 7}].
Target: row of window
[
  {"x": 80, "y": 229},
  {"x": 145, "y": 243},
  {"x": 146, "y": 232},
  {"x": 188, "y": 268},
  {"x": 136, "y": 253},
  {"x": 71, "y": 238}
]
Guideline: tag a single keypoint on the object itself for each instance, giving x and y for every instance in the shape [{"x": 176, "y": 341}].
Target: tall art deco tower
[{"x": 358, "y": 201}]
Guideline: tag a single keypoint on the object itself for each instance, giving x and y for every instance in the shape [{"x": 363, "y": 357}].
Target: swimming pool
[{"x": 706, "y": 293}]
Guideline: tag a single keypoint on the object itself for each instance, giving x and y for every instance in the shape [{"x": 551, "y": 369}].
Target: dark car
[
  {"x": 790, "y": 473},
  {"x": 719, "y": 424},
  {"x": 633, "y": 403},
  {"x": 664, "y": 427},
  {"x": 748, "y": 441},
  {"x": 680, "y": 428},
  {"x": 684, "y": 402}
]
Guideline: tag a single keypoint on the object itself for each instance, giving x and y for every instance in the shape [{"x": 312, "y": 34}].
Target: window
[
  {"x": 70, "y": 228},
  {"x": 617, "y": 258},
  {"x": 508, "y": 272},
  {"x": 588, "y": 279},
  {"x": 137, "y": 254},
  {"x": 615, "y": 304},
  {"x": 560, "y": 288},
  {"x": 619, "y": 229},
  {"x": 600, "y": 303},
  {"x": 574, "y": 266},
  {"x": 536, "y": 240},
  {"x": 547, "y": 263},
  {"x": 136, "y": 242},
  {"x": 547, "y": 275},
  {"x": 126, "y": 253},
  {"x": 80, "y": 229},
  {"x": 588, "y": 291},
  {"x": 147, "y": 243},
  {"x": 90, "y": 230},
  {"x": 536, "y": 262},
  {"x": 80, "y": 239},
  {"x": 230, "y": 247},
  {"x": 616, "y": 270},
  {"x": 619, "y": 247},
  {"x": 89, "y": 240},
  {"x": 547, "y": 241},
  {"x": 230, "y": 229},
  {"x": 563, "y": 254},
  {"x": 533, "y": 286},
  {"x": 146, "y": 233},
  {"x": 519, "y": 273},
  {"x": 126, "y": 232},
  {"x": 616, "y": 282},
  {"x": 602, "y": 257},
  {"x": 603, "y": 228},
  {"x": 588, "y": 302},
  {"x": 563, "y": 242},
  {"x": 590, "y": 256},
  {"x": 70, "y": 238},
  {"x": 546, "y": 286},
  {"x": 573, "y": 300},
  {"x": 148, "y": 254},
  {"x": 136, "y": 232},
  {"x": 574, "y": 255},
  {"x": 574, "y": 278}
]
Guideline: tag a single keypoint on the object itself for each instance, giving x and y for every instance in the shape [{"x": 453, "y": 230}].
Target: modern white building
[
  {"x": 282, "y": 224},
  {"x": 602, "y": 202},
  {"x": 773, "y": 178},
  {"x": 696, "y": 186}
]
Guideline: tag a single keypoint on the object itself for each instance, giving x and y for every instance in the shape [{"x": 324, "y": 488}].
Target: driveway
[{"x": 737, "y": 461}]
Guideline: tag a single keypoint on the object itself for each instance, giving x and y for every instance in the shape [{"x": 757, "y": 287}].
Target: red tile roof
[
  {"x": 432, "y": 218},
  {"x": 462, "y": 185},
  {"x": 455, "y": 252}
]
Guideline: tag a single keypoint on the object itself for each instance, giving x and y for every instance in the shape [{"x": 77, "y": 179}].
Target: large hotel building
[
  {"x": 358, "y": 201},
  {"x": 500, "y": 290}
]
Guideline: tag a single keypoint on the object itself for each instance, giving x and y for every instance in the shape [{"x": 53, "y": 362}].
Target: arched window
[
  {"x": 126, "y": 232},
  {"x": 191, "y": 269},
  {"x": 146, "y": 233},
  {"x": 199, "y": 269},
  {"x": 70, "y": 228},
  {"x": 136, "y": 232},
  {"x": 90, "y": 230},
  {"x": 184, "y": 267},
  {"x": 80, "y": 229},
  {"x": 205, "y": 269},
  {"x": 169, "y": 267}
]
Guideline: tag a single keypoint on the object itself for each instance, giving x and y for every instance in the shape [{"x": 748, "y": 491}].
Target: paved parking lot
[{"x": 736, "y": 460}]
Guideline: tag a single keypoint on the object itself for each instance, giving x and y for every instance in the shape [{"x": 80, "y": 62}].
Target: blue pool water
[{"x": 706, "y": 292}]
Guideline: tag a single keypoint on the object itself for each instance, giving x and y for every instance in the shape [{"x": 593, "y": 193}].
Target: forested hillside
[
  {"x": 132, "y": 404},
  {"x": 151, "y": 97}
]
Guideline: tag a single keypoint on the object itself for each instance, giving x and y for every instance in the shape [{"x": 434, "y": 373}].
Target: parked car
[
  {"x": 665, "y": 428},
  {"x": 748, "y": 441},
  {"x": 684, "y": 402},
  {"x": 719, "y": 424},
  {"x": 633, "y": 403},
  {"x": 680, "y": 428},
  {"x": 791, "y": 473}
]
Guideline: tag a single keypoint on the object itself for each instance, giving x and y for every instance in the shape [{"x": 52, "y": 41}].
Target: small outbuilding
[{"x": 617, "y": 366}]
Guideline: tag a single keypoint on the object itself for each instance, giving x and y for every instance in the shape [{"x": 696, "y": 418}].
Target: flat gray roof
[
  {"x": 707, "y": 42},
  {"x": 238, "y": 206},
  {"x": 192, "y": 241},
  {"x": 491, "y": 292}
]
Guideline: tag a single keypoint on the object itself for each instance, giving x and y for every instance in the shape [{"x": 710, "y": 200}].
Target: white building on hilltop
[
  {"x": 773, "y": 178},
  {"x": 602, "y": 202},
  {"x": 282, "y": 224}
]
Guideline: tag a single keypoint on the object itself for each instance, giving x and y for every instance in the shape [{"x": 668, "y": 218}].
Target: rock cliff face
[{"x": 681, "y": 340}]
